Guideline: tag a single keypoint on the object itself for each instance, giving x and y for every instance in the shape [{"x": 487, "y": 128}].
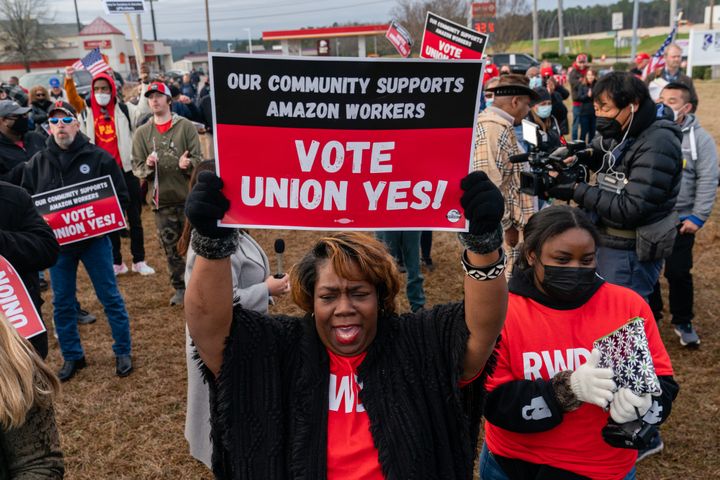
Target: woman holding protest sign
[
  {"x": 29, "y": 441},
  {"x": 404, "y": 391},
  {"x": 552, "y": 393}
]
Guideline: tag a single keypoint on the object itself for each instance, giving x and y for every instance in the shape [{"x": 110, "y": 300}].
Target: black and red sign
[
  {"x": 16, "y": 304},
  {"x": 81, "y": 211},
  {"x": 443, "y": 39},
  {"x": 400, "y": 38},
  {"x": 318, "y": 143}
]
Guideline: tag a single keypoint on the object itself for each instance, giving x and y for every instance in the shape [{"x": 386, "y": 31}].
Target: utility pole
[
  {"x": 152, "y": 18},
  {"x": 77, "y": 17},
  {"x": 636, "y": 14},
  {"x": 673, "y": 12},
  {"x": 561, "y": 29},
  {"x": 711, "y": 4},
  {"x": 207, "y": 26},
  {"x": 248, "y": 30},
  {"x": 536, "y": 35}
]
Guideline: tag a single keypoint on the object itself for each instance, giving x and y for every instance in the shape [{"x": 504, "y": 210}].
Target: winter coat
[
  {"x": 169, "y": 146},
  {"x": 270, "y": 402},
  {"x": 26, "y": 240},
  {"x": 651, "y": 161},
  {"x": 12, "y": 154},
  {"x": 581, "y": 94},
  {"x": 559, "y": 110},
  {"x": 679, "y": 77},
  {"x": 126, "y": 117},
  {"x": 700, "y": 172},
  {"x": 32, "y": 451}
]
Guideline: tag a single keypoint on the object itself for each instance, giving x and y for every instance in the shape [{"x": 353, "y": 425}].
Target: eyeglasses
[{"x": 65, "y": 120}]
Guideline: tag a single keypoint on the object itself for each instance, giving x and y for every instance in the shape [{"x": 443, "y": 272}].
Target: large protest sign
[
  {"x": 16, "y": 304},
  {"x": 81, "y": 211},
  {"x": 343, "y": 144},
  {"x": 443, "y": 39},
  {"x": 400, "y": 38}
]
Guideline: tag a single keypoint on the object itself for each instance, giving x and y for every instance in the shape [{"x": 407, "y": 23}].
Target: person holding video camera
[{"x": 639, "y": 162}]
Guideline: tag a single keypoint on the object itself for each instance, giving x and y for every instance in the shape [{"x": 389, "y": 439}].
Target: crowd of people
[{"x": 354, "y": 388}]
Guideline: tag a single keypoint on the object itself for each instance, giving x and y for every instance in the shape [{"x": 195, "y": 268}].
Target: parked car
[
  {"x": 520, "y": 62},
  {"x": 82, "y": 78}
]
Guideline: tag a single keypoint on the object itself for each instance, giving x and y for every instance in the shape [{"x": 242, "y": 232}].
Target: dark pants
[
  {"x": 426, "y": 245},
  {"x": 576, "y": 122},
  {"x": 408, "y": 243},
  {"x": 680, "y": 281},
  {"x": 169, "y": 222},
  {"x": 587, "y": 127},
  {"x": 137, "y": 240}
]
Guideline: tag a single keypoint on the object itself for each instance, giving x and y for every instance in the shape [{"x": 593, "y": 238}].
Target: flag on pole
[
  {"x": 658, "y": 59},
  {"x": 93, "y": 62}
]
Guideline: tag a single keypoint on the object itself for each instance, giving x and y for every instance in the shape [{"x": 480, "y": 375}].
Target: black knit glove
[
  {"x": 206, "y": 204},
  {"x": 483, "y": 203},
  {"x": 563, "y": 187},
  {"x": 484, "y": 208}
]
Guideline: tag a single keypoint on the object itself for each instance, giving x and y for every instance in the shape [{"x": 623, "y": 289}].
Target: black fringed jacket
[{"x": 270, "y": 401}]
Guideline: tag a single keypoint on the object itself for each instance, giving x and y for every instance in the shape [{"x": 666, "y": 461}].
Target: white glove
[
  {"x": 622, "y": 408},
  {"x": 591, "y": 384}
]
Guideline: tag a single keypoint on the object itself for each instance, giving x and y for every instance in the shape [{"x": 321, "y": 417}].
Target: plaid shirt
[{"x": 494, "y": 144}]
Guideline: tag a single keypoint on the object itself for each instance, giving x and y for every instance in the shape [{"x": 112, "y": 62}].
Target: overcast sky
[{"x": 177, "y": 19}]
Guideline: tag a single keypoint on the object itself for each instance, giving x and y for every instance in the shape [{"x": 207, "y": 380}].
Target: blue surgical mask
[
  {"x": 535, "y": 82},
  {"x": 544, "y": 111},
  {"x": 489, "y": 102}
]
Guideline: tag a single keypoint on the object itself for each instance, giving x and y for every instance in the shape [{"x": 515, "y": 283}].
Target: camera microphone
[{"x": 279, "y": 250}]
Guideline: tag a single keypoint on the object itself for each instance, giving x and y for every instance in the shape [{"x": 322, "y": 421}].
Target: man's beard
[{"x": 65, "y": 142}]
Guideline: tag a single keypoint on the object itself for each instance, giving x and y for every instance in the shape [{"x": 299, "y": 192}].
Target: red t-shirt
[
  {"x": 164, "y": 127},
  {"x": 538, "y": 342},
  {"x": 351, "y": 452},
  {"x": 106, "y": 135}
]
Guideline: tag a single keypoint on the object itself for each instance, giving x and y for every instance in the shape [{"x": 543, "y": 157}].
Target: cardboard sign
[
  {"x": 81, "y": 211},
  {"x": 120, "y": 7},
  {"x": 443, "y": 39},
  {"x": 333, "y": 144},
  {"x": 400, "y": 38},
  {"x": 16, "y": 304}
]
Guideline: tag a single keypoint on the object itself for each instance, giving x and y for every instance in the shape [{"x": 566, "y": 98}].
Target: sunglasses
[{"x": 65, "y": 120}]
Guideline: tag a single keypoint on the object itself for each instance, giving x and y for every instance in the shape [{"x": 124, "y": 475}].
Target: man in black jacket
[
  {"x": 28, "y": 243},
  {"x": 17, "y": 144},
  {"x": 639, "y": 161},
  {"x": 69, "y": 158}
]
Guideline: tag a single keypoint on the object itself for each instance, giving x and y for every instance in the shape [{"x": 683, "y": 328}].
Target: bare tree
[
  {"x": 411, "y": 13},
  {"x": 512, "y": 23},
  {"x": 23, "y": 25}
]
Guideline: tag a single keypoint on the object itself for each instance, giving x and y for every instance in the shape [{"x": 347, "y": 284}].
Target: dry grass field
[{"x": 132, "y": 428}]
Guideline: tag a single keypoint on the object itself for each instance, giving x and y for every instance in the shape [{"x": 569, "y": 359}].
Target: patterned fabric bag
[{"x": 626, "y": 351}]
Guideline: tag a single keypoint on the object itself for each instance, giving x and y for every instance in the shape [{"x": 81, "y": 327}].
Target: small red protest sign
[
  {"x": 443, "y": 39},
  {"x": 15, "y": 302},
  {"x": 81, "y": 211},
  {"x": 400, "y": 38},
  {"x": 335, "y": 144}
]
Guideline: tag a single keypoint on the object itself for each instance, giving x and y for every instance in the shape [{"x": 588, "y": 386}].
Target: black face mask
[
  {"x": 43, "y": 104},
  {"x": 20, "y": 126},
  {"x": 568, "y": 284},
  {"x": 609, "y": 127}
]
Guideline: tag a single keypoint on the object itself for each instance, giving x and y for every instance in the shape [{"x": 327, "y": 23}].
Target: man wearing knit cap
[{"x": 495, "y": 142}]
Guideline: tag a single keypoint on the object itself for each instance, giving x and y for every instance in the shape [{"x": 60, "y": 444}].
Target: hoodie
[
  {"x": 698, "y": 186},
  {"x": 105, "y": 127}
]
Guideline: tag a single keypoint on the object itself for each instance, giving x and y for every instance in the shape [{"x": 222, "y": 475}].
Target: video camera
[{"x": 538, "y": 180}]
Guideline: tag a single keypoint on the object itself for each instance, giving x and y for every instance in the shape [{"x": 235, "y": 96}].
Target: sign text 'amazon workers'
[{"x": 330, "y": 195}]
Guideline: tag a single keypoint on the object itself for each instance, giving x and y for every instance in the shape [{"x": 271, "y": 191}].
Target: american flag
[
  {"x": 658, "y": 59},
  {"x": 93, "y": 62}
]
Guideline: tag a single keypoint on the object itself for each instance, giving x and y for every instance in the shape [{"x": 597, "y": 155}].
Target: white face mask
[
  {"x": 678, "y": 115},
  {"x": 544, "y": 111},
  {"x": 103, "y": 98}
]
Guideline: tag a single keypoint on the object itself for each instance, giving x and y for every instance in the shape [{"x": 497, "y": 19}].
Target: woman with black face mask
[{"x": 549, "y": 400}]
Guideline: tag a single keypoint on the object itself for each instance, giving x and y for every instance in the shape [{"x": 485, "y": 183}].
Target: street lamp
[{"x": 249, "y": 40}]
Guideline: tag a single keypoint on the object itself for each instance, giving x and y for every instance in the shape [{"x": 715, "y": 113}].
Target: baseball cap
[
  {"x": 63, "y": 107},
  {"x": 158, "y": 87},
  {"x": 581, "y": 58},
  {"x": 11, "y": 107},
  {"x": 641, "y": 56},
  {"x": 546, "y": 72},
  {"x": 54, "y": 82}
]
